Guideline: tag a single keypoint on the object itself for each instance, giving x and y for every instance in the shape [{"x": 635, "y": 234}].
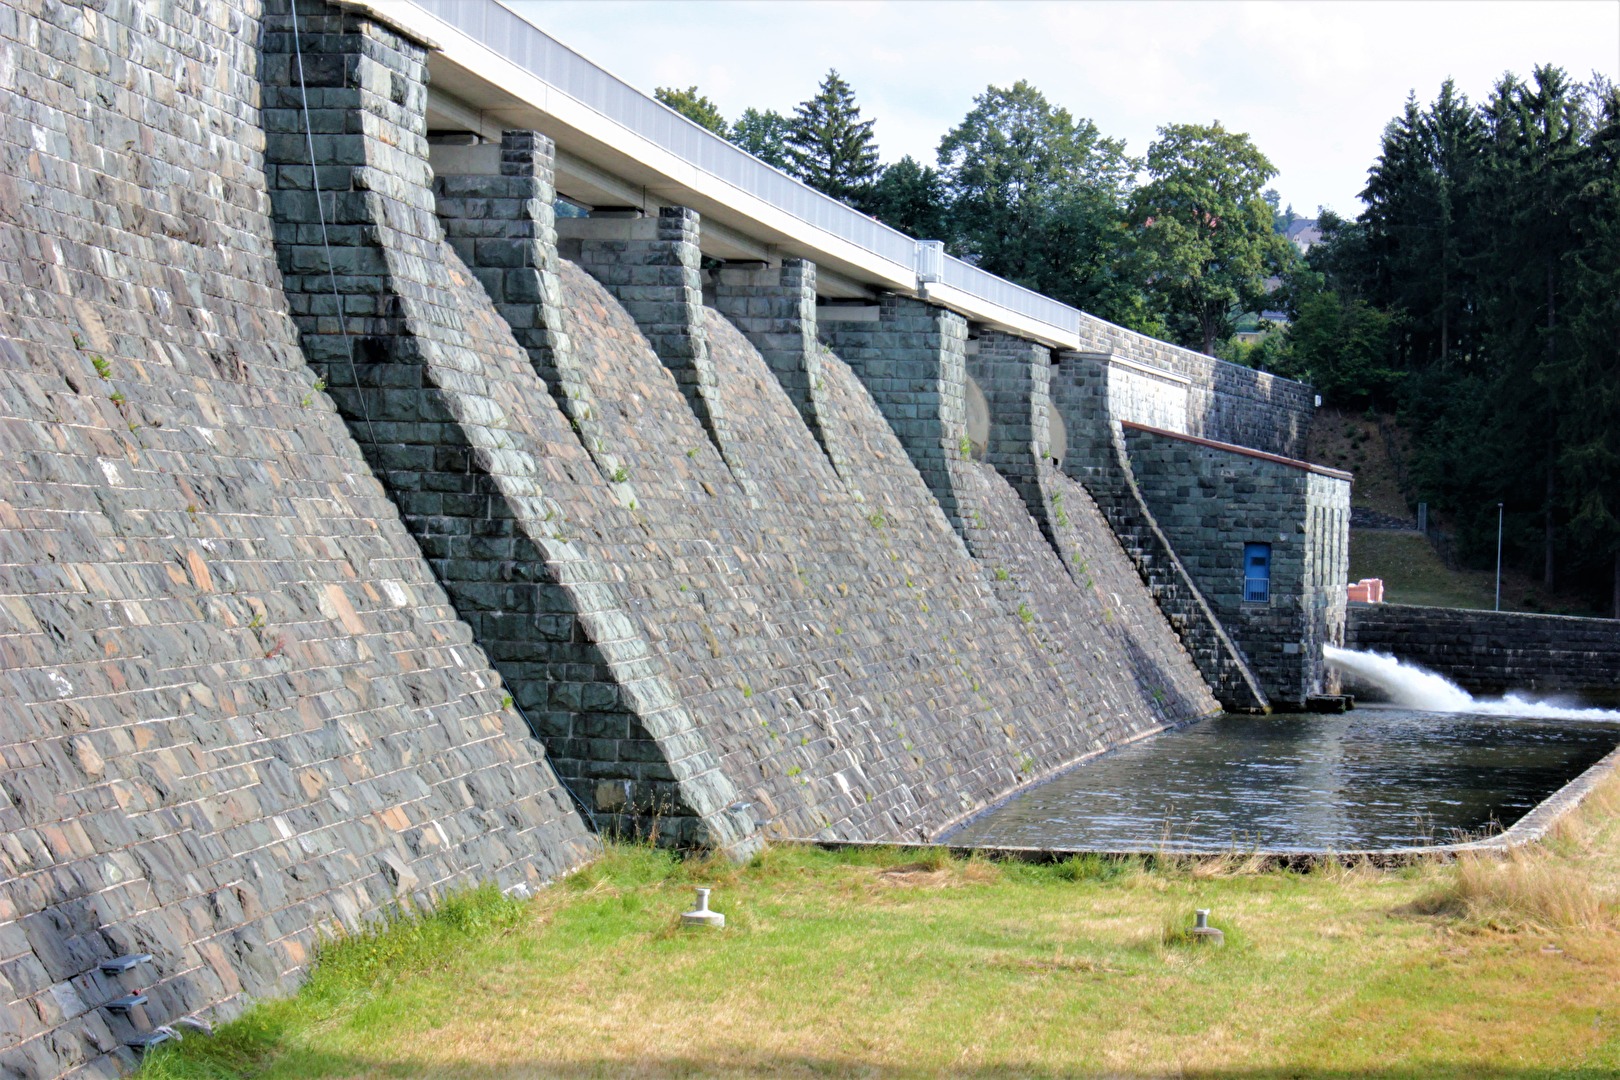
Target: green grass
[
  {"x": 1413, "y": 572},
  {"x": 880, "y": 963}
]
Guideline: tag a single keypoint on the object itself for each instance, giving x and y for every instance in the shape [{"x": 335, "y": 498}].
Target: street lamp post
[{"x": 1498, "y": 556}]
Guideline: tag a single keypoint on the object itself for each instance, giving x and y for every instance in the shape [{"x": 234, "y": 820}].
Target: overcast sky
[{"x": 1313, "y": 83}]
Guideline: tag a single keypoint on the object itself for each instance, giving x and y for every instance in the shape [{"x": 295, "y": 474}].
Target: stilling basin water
[{"x": 1370, "y": 779}]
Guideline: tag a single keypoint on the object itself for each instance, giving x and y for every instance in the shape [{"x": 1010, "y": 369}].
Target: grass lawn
[
  {"x": 1413, "y": 572},
  {"x": 865, "y": 964}
]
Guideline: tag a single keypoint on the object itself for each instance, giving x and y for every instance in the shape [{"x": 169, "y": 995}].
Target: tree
[
  {"x": 1038, "y": 197},
  {"x": 1586, "y": 381},
  {"x": 1338, "y": 344},
  {"x": 1530, "y": 178},
  {"x": 694, "y": 106},
  {"x": 831, "y": 148},
  {"x": 1206, "y": 241},
  {"x": 1420, "y": 226},
  {"x": 910, "y": 197},
  {"x": 763, "y": 133},
  {"x": 1490, "y": 247}
]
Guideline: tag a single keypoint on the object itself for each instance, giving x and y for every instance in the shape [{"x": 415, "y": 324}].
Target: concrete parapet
[
  {"x": 449, "y": 411},
  {"x": 912, "y": 360}
]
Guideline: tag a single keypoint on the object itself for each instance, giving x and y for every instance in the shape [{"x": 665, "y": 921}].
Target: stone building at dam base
[{"x": 369, "y": 530}]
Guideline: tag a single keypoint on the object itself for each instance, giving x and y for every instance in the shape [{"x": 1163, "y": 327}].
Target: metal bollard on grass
[
  {"x": 702, "y": 916},
  {"x": 1203, "y": 932}
]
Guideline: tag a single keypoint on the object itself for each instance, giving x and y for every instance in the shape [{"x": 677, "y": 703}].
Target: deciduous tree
[
  {"x": 763, "y": 133},
  {"x": 1038, "y": 197},
  {"x": 694, "y": 106},
  {"x": 910, "y": 197},
  {"x": 1206, "y": 241}
]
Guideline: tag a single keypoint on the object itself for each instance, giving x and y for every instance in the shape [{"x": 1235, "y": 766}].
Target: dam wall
[
  {"x": 237, "y": 710},
  {"x": 716, "y": 629},
  {"x": 1496, "y": 652},
  {"x": 368, "y": 533}
]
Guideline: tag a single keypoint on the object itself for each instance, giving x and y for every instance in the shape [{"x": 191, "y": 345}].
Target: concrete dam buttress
[{"x": 368, "y": 531}]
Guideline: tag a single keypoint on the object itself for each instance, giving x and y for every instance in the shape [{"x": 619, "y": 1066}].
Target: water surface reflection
[{"x": 1373, "y": 778}]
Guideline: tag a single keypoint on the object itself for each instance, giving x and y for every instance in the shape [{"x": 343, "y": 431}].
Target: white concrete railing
[{"x": 497, "y": 48}]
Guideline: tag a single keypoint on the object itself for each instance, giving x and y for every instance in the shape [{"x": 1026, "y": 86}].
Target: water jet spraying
[{"x": 1411, "y": 687}]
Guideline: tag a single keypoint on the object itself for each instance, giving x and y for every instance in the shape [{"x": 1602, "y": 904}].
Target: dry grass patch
[{"x": 879, "y": 962}]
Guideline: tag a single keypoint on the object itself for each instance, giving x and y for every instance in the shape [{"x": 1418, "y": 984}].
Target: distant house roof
[{"x": 1304, "y": 233}]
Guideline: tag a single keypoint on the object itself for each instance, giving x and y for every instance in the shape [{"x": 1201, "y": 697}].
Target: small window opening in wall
[{"x": 1257, "y": 573}]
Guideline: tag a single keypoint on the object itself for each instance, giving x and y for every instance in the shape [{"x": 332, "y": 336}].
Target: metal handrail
[{"x": 962, "y": 275}]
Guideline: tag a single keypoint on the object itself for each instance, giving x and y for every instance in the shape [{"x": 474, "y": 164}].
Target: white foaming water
[{"x": 1411, "y": 687}]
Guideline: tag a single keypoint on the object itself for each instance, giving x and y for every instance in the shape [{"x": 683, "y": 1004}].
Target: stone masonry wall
[
  {"x": 458, "y": 424},
  {"x": 651, "y": 266},
  {"x": 1491, "y": 652},
  {"x": 1225, "y": 402},
  {"x": 503, "y": 226},
  {"x": 1210, "y": 501},
  {"x": 859, "y": 674},
  {"x": 238, "y": 711},
  {"x": 854, "y": 672},
  {"x": 300, "y": 522},
  {"x": 912, "y": 360},
  {"x": 1013, "y": 376},
  {"x": 1097, "y": 458}
]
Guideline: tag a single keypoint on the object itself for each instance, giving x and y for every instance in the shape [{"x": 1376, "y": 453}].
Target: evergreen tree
[
  {"x": 1419, "y": 225},
  {"x": 763, "y": 133},
  {"x": 831, "y": 148},
  {"x": 1588, "y": 382},
  {"x": 1491, "y": 242},
  {"x": 694, "y": 106},
  {"x": 1531, "y": 175},
  {"x": 910, "y": 197}
]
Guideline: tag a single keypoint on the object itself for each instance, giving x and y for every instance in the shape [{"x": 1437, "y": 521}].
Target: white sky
[{"x": 1313, "y": 83}]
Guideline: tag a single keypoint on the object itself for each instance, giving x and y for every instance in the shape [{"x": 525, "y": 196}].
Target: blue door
[{"x": 1257, "y": 573}]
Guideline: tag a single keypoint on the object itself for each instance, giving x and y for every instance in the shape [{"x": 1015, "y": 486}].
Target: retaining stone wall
[
  {"x": 912, "y": 360},
  {"x": 858, "y": 673},
  {"x": 1490, "y": 652},
  {"x": 1209, "y": 503},
  {"x": 651, "y": 266},
  {"x": 1097, "y": 458},
  {"x": 272, "y": 717},
  {"x": 841, "y": 693},
  {"x": 1013, "y": 375},
  {"x": 1225, "y": 402},
  {"x": 238, "y": 710}
]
